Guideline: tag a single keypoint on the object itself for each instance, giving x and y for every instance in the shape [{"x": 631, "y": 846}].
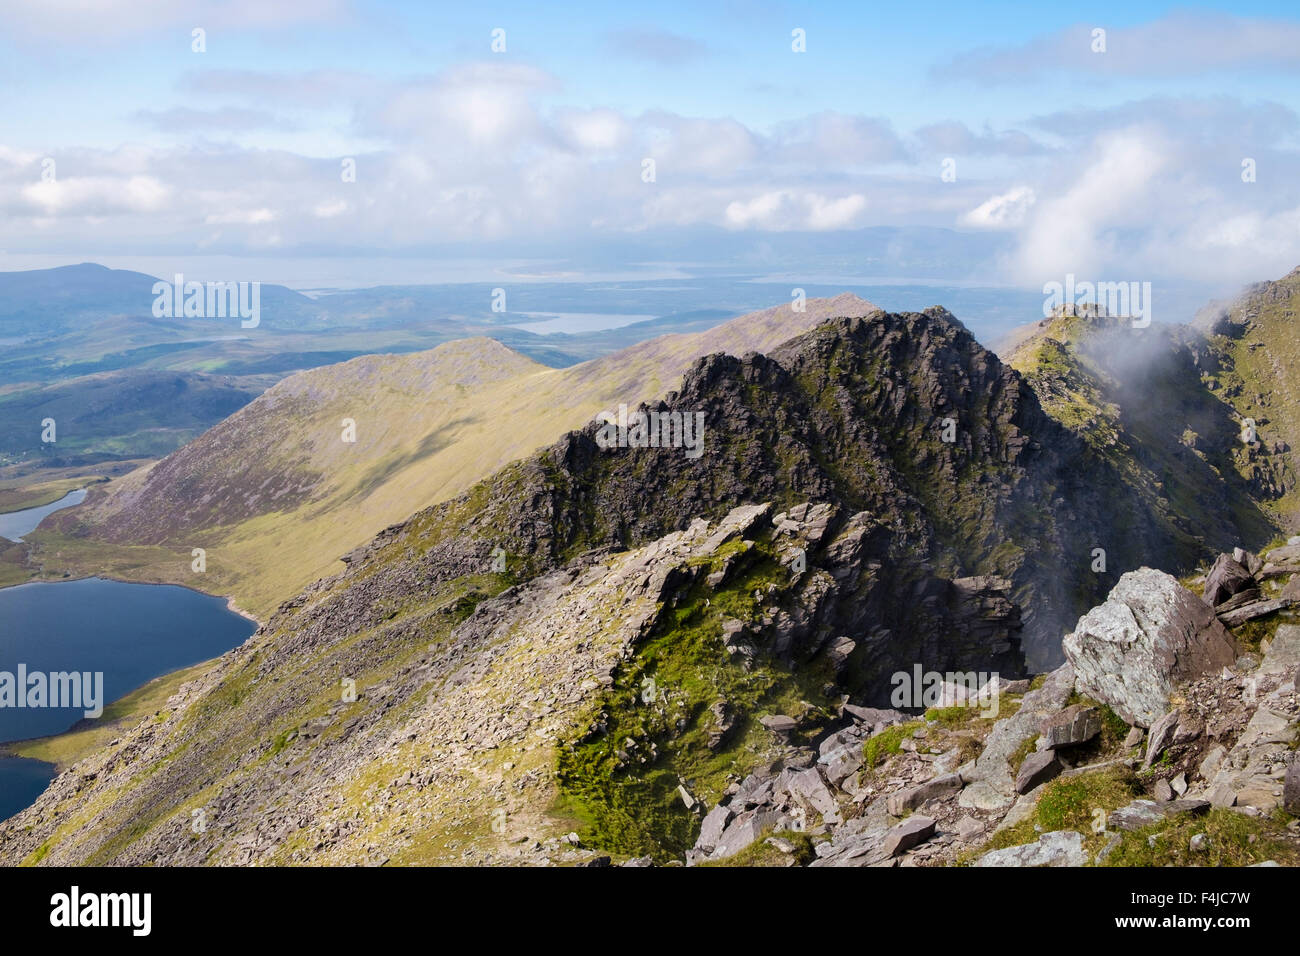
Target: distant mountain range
[{"x": 59, "y": 327}]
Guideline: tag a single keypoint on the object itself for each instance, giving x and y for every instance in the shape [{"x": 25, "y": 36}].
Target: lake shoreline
[
  {"x": 142, "y": 641},
  {"x": 14, "y": 748},
  {"x": 231, "y": 604},
  {"x": 12, "y": 529},
  {"x": 73, "y": 484},
  {"x": 145, "y": 639}
]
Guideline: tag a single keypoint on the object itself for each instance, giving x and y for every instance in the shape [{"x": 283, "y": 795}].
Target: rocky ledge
[{"x": 1166, "y": 737}]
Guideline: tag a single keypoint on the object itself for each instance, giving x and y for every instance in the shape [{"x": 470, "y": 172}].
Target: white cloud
[
  {"x": 846, "y": 140},
  {"x": 951, "y": 138},
  {"x": 328, "y": 210},
  {"x": 485, "y": 106},
  {"x": 595, "y": 130},
  {"x": 1154, "y": 201},
  {"x": 1073, "y": 231},
  {"x": 240, "y": 217},
  {"x": 1002, "y": 211},
  {"x": 95, "y": 195},
  {"x": 477, "y": 153},
  {"x": 783, "y": 210}
]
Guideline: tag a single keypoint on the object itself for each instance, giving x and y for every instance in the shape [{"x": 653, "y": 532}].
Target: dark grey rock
[
  {"x": 715, "y": 822},
  {"x": 1076, "y": 724},
  {"x": 1145, "y": 813},
  {"x": 1037, "y": 769},
  {"x": 1291, "y": 788},
  {"x": 1241, "y": 615},
  {"x": 1161, "y": 736},
  {"x": 1226, "y": 578},
  {"x": 780, "y": 724},
  {"x": 913, "y": 831},
  {"x": 1058, "y": 848},
  {"x": 936, "y": 788},
  {"x": 871, "y": 716}
]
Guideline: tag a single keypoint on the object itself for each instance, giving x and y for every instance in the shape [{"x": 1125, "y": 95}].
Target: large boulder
[{"x": 1150, "y": 632}]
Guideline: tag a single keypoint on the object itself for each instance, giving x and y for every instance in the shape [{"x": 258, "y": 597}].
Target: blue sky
[{"x": 119, "y": 139}]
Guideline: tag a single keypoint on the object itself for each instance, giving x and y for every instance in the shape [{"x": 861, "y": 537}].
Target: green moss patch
[
  {"x": 888, "y": 742},
  {"x": 1074, "y": 803},
  {"x": 650, "y": 731},
  {"x": 1231, "y": 839}
]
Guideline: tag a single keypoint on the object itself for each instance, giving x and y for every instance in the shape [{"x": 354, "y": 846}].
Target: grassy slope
[
  {"x": 429, "y": 426},
  {"x": 1259, "y": 352},
  {"x": 625, "y": 807}
]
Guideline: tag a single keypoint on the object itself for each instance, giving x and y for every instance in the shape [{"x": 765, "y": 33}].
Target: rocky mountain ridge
[{"x": 275, "y": 493}]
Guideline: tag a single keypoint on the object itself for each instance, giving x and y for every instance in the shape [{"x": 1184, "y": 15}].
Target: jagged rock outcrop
[
  {"x": 1249, "y": 358},
  {"x": 1226, "y": 578},
  {"x": 1242, "y": 586}
]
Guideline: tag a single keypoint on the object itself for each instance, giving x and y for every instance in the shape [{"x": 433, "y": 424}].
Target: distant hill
[
  {"x": 132, "y": 413},
  {"x": 47, "y": 302}
]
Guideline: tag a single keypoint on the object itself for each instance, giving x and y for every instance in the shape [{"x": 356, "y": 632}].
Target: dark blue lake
[
  {"x": 21, "y": 782},
  {"x": 129, "y": 633}
]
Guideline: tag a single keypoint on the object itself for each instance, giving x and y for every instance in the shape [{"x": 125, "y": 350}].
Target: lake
[
  {"x": 574, "y": 323},
  {"x": 15, "y": 524},
  {"x": 21, "y": 782},
  {"x": 129, "y": 633}
]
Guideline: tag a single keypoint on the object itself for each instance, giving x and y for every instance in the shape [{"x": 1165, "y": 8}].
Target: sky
[{"x": 1113, "y": 141}]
